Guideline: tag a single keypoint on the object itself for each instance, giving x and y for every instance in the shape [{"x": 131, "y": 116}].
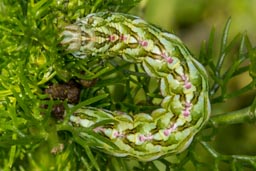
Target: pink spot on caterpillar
[
  {"x": 188, "y": 104},
  {"x": 123, "y": 37},
  {"x": 143, "y": 43},
  {"x": 99, "y": 129},
  {"x": 112, "y": 38},
  {"x": 186, "y": 111},
  {"x": 143, "y": 138},
  {"x": 187, "y": 84},
  {"x": 118, "y": 134},
  {"x": 168, "y": 131},
  {"x": 184, "y": 78},
  {"x": 167, "y": 58}
]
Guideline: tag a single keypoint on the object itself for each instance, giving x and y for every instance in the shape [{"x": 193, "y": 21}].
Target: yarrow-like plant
[{"x": 106, "y": 90}]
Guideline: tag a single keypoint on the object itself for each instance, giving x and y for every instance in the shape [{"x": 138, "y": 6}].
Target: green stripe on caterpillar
[{"x": 185, "y": 106}]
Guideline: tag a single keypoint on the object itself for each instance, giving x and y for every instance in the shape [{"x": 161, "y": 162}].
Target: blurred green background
[{"x": 192, "y": 21}]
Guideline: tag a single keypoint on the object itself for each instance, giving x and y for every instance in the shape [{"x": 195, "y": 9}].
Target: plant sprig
[{"x": 234, "y": 58}]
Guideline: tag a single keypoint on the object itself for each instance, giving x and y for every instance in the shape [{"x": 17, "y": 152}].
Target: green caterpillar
[{"x": 185, "y": 106}]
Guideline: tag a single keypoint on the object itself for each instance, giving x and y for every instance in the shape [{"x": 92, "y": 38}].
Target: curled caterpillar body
[{"x": 185, "y": 106}]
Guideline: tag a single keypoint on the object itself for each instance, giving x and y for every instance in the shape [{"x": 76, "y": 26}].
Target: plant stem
[{"x": 244, "y": 115}]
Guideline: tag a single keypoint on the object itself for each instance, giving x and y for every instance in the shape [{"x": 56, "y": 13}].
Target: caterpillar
[{"x": 185, "y": 106}]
